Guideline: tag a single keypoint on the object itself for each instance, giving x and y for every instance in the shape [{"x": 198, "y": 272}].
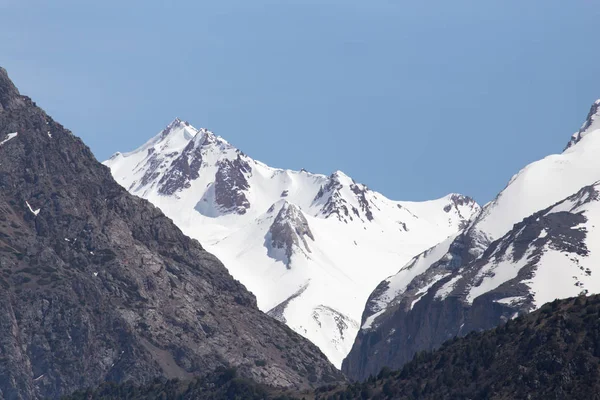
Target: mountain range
[
  {"x": 104, "y": 278},
  {"x": 311, "y": 247}
]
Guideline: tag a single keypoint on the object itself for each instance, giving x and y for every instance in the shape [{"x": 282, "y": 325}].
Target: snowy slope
[
  {"x": 311, "y": 247},
  {"x": 536, "y": 241},
  {"x": 534, "y": 188}
]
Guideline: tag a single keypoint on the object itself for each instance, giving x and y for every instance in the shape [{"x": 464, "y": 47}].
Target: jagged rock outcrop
[
  {"x": 458, "y": 203},
  {"x": 230, "y": 184},
  {"x": 288, "y": 231},
  {"x": 590, "y": 124},
  {"x": 336, "y": 203},
  {"x": 98, "y": 284}
]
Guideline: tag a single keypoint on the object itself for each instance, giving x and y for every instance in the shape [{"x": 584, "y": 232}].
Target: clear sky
[{"x": 416, "y": 98}]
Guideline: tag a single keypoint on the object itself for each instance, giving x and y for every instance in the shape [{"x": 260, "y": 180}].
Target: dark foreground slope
[
  {"x": 553, "y": 353},
  {"x": 96, "y": 284}
]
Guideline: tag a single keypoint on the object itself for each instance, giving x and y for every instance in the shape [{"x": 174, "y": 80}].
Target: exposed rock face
[
  {"x": 99, "y": 285},
  {"x": 230, "y": 184},
  {"x": 591, "y": 119},
  {"x": 184, "y": 168},
  {"x": 289, "y": 229},
  {"x": 336, "y": 203},
  {"x": 448, "y": 300},
  {"x": 459, "y": 203}
]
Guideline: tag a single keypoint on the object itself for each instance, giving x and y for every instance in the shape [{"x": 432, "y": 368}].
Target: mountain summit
[
  {"x": 98, "y": 285},
  {"x": 535, "y": 242},
  {"x": 311, "y": 247}
]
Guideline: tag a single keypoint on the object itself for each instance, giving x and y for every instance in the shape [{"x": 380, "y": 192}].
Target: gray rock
[
  {"x": 289, "y": 231},
  {"x": 100, "y": 285}
]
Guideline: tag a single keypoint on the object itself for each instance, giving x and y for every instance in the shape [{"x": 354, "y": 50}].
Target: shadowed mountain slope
[{"x": 97, "y": 284}]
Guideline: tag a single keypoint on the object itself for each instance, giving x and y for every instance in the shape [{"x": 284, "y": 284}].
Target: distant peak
[
  {"x": 175, "y": 124},
  {"x": 341, "y": 177},
  {"x": 460, "y": 198},
  {"x": 177, "y": 130},
  {"x": 339, "y": 173},
  {"x": 592, "y": 122},
  {"x": 591, "y": 117},
  {"x": 205, "y": 137}
]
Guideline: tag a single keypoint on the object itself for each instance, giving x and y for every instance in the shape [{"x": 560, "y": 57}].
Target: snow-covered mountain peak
[
  {"x": 341, "y": 178},
  {"x": 205, "y": 138},
  {"x": 536, "y": 241},
  {"x": 464, "y": 207},
  {"x": 592, "y": 123},
  {"x": 343, "y": 198},
  {"x": 300, "y": 241},
  {"x": 174, "y": 137}
]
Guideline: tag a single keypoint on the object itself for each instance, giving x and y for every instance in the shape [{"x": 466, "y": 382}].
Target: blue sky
[{"x": 414, "y": 98}]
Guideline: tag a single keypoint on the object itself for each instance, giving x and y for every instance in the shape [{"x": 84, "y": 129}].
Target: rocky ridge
[
  {"x": 535, "y": 242},
  {"x": 99, "y": 285}
]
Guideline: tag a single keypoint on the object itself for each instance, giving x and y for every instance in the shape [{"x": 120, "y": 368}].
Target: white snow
[
  {"x": 543, "y": 234},
  {"x": 34, "y": 212},
  {"x": 342, "y": 266},
  {"x": 447, "y": 288},
  {"x": 398, "y": 283},
  {"x": 536, "y": 187},
  {"x": 543, "y": 183},
  {"x": 496, "y": 273},
  {"x": 9, "y": 137},
  {"x": 423, "y": 290},
  {"x": 511, "y": 300},
  {"x": 371, "y": 318},
  {"x": 561, "y": 275}
]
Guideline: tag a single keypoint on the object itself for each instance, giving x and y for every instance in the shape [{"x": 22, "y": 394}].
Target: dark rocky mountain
[
  {"x": 98, "y": 285},
  {"x": 552, "y": 353},
  {"x": 591, "y": 119}
]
